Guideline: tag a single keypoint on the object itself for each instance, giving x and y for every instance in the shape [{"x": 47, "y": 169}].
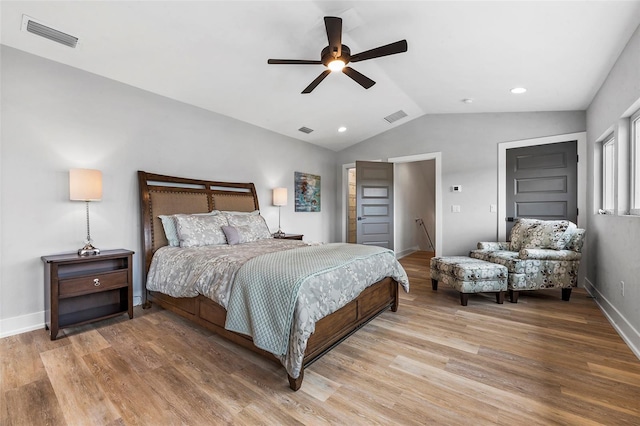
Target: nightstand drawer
[{"x": 93, "y": 283}]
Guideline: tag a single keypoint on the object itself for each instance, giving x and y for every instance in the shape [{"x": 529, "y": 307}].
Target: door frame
[
  {"x": 437, "y": 156},
  {"x": 581, "y": 137}
]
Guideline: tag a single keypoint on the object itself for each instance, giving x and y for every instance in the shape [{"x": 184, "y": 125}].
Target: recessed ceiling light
[
  {"x": 467, "y": 100},
  {"x": 518, "y": 90},
  {"x": 342, "y": 129}
]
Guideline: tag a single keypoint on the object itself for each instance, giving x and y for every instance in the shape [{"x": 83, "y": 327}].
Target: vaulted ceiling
[{"x": 213, "y": 54}]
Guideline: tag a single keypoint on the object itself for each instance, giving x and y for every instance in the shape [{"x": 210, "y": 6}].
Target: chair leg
[
  {"x": 464, "y": 298},
  {"x": 434, "y": 284},
  {"x": 500, "y": 297},
  {"x": 513, "y": 296},
  {"x": 566, "y": 294}
]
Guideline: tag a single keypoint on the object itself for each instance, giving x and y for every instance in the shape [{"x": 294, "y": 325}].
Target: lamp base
[
  {"x": 279, "y": 234},
  {"x": 88, "y": 250}
]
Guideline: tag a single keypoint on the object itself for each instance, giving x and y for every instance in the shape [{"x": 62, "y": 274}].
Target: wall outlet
[
  {"x": 455, "y": 208},
  {"x": 456, "y": 188},
  {"x": 493, "y": 208},
  {"x": 622, "y": 287}
]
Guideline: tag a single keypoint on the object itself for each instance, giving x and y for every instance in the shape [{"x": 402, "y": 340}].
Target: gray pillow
[
  {"x": 253, "y": 227},
  {"x": 169, "y": 225},
  {"x": 200, "y": 230},
  {"x": 233, "y": 237}
]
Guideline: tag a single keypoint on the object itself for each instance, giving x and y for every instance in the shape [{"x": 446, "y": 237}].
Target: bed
[{"x": 162, "y": 195}]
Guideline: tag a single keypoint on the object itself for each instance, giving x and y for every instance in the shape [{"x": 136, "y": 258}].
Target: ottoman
[{"x": 468, "y": 275}]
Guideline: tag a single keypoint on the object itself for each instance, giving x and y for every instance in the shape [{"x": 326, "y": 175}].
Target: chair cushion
[
  {"x": 548, "y": 234},
  {"x": 519, "y": 231},
  {"x": 576, "y": 241}
]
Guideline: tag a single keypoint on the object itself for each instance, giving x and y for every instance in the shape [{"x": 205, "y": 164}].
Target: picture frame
[{"x": 307, "y": 192}]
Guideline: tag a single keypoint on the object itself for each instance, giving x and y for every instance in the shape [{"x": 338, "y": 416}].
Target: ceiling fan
[{"x": 336, "y": 56}]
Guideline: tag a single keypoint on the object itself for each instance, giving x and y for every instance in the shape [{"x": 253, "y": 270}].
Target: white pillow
[{"x": 170, "y": 231}]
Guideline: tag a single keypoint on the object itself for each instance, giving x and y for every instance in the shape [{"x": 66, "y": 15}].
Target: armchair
[{"x": 541, "y": 254}]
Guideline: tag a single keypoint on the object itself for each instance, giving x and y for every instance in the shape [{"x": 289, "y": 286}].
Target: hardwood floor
[{"x": 540, "y": 361}]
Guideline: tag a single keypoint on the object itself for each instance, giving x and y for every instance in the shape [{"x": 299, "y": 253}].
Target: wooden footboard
[{"x": 330, "y": 330}]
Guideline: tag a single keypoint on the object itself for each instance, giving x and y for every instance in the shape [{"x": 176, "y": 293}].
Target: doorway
[{"x": 432, "y": 219}]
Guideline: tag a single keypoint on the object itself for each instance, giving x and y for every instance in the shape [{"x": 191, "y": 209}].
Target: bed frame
[{"x": 161, "y": 194}]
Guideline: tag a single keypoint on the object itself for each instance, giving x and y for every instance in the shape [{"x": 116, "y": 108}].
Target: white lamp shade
[
  {"x": 85, "y": 185},
  {"x": 280, "y": 196}
]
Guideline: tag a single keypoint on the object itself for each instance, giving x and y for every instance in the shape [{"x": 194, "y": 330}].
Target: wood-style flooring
[{"x": 540, "y": 361}]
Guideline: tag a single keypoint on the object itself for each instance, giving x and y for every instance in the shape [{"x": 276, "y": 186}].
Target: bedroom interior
[{"x": 161, "y": 105}]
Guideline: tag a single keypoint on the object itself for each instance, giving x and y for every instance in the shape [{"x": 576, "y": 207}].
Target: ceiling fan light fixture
[{"x": 336, "y": 65}]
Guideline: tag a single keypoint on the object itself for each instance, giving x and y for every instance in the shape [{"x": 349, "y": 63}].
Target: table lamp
[
  {"x": 86, "y": 185},
  {"x": 279, "y": 199}
]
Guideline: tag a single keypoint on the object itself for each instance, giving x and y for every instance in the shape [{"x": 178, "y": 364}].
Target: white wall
[
  {"x": 55, "y": 117},
  {"x": 469, "y": 147},
  {"x": 614, "y": 241},
  {"x": 414, "y": 197}
]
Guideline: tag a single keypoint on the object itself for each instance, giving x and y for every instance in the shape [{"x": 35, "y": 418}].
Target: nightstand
[
  {"x": 289, "y": 236},
  {"x": 83, "y": 289}
]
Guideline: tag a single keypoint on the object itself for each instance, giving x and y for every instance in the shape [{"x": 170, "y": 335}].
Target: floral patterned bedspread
[{"x": 210, "y": 271}]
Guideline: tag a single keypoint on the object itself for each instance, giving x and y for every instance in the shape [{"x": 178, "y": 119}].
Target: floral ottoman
[{"x": 468, "y": 275}]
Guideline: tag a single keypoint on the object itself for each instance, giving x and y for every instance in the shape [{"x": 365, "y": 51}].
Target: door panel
[
  {"x": 374, "y": 203},
  {"x": 542, "y": 182}
]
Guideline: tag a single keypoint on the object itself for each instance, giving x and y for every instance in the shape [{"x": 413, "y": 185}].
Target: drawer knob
[{"x": 96, "y": 282}]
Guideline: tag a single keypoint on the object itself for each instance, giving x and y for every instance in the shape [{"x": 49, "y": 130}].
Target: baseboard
[
  {"x": 21, "y": 324},
  {"x": 34, "y": 321},
  {"x": 406, "y": 252},
  {"x": 625, "y": 329}
]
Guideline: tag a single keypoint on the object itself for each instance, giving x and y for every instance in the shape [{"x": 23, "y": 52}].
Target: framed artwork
[{"x": 307, "y": 192}]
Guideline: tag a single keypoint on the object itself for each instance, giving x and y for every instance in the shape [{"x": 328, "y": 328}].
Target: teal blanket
[{"x": 265, "y": 289}]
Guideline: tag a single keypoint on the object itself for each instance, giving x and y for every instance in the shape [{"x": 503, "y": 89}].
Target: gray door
[
  {"x": 542, "y": 182},
  {"x": 374, "y": 203}
]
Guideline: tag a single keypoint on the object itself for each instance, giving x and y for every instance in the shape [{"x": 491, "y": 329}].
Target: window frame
[
  {"x": 634, "y": 145},
  {"x": 609, "y": 187}
]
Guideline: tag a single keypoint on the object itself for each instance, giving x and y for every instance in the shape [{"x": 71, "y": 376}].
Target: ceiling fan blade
[
  {"x": 293, "y": 62},
  {"x": 334, "y": 34},
  {"x": 317, "y": 81},
  {"x": 387, "y": 49},
  {"x": 361, "y": 79}
]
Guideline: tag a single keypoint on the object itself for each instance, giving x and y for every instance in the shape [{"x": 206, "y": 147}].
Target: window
[
  {"x": 634, "y": 122},
  {"x": 608, "y": 174}
]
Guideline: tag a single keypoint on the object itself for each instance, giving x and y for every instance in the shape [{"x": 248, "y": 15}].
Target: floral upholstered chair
[{"x": 541, "y": 254}]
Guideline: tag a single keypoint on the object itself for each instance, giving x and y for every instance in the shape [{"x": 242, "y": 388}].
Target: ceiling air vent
[
  {"x": 38, "y": 28},
  {"x": 395, "y": 116},
  {"x": 305, "y": 130}
]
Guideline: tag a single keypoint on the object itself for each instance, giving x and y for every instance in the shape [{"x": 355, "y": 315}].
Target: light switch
[
  {"x": 455, "y": 208},
  {"x": 493, "y": 208}
]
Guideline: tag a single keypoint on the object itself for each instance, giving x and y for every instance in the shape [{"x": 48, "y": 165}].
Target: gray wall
[
  {"x": 55, "y": 117},
  {"x": 614, "y": 240},
  {"x": 469, "y": 147}
]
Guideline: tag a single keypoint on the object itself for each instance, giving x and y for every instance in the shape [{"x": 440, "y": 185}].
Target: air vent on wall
[
  {"x": 305, "y": 130},
  {"x": 395, "y": 116},
  {"x": 38, "y": 28}
]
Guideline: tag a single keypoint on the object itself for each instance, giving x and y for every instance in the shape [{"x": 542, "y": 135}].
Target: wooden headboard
[{"x": 160, "y": 195}]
